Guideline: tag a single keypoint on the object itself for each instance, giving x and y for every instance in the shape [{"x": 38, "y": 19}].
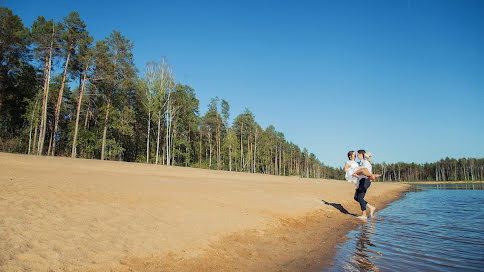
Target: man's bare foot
[
  {"x": 362, "y": 217},
  {"x": 372, "y": 210}
]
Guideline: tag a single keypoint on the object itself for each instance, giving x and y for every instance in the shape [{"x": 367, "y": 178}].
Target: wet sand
[{"x": 62, "y": 214}]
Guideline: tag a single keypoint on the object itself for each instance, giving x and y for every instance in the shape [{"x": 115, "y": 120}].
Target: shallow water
[{"x": 433, "y": 228}]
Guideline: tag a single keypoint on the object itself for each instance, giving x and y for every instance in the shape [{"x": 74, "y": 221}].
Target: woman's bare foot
[
  {"x": 373, "y": 177},
  {"x": 362, "y": 217},
  {"x": 372, "y": 210}
]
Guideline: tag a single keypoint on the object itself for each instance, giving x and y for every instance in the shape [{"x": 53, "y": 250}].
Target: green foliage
[
  {"x": 123, "y": 121},
  {"x": 72, "y": 30},
  {"x": 20, "y": 88},
  {"x": 41, "y": 38},
  {"x": 88, "y": 144},
  {"x": 113, "y": 149},
  {"x": 17, "y": 76},
  {"x": 14, "y": 42}
]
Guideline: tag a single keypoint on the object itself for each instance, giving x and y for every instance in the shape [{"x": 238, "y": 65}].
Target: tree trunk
[
  {"x": 35, "y": 133},
  {"x": 188, "y": 148},
  {"x": 210, "y": 146},
  {"x": 88, "y": 114},
  {"x": 172, "y": 157},
  {"x": 230, "y": 158},
  {"x": 200, "y": 151},
  {"x": 255, "y": 150},
  {"x": 59, "y": 101},
  {"x": 298, "y": 166},
  {"x": 168, "y": 133},
  {"x": 270, "y": 166},
  {"x": 31, "y": 126},
  {"x": 472, "y": 171},
  {"x": 218, "y": 147},
  {"x": 44, "y": 75},
  {"x": 79, "y": 101},
  {"x": 280, "y": 158},
  {"x": 163, "y": 151},
  {"x": 455, "y": 172},
  {"x": 106, "y": 118},
  {"x": 249, "y": 157},
  {"x": 42, "y": 108},
  {"x": 46, "y": 97},
  {"x": 148, "y": 139},
  {"x": 283, "y": 166},
  {"x": 276, "y": 154},
  {"x": 241, "y": 147},
  {"x": 158, "y": 139},
  {"x": 50, "y": 140},
  {"x": 436, "y": 172}
]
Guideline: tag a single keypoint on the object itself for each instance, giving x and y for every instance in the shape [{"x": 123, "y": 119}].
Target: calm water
[{"x": 433, "y": 228}]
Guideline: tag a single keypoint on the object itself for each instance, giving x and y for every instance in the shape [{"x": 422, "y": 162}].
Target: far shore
[
  {"x": 62, "y": 214},
  {"x": 443, "y": 182}
]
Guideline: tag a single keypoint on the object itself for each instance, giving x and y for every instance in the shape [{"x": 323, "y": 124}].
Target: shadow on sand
[{"x": 339, "y": 207}]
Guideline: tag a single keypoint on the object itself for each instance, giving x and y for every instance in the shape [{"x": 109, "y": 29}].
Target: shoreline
[
  {"x": 90, "y": 215},
  {"x": 304, "y": 243}
]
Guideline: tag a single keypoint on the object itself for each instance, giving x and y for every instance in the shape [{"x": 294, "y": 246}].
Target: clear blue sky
[{"x": 403, "y": 79}]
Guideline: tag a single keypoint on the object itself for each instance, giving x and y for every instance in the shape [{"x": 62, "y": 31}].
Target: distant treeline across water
[
  {"x": 464, "y": 169},
  {"x": 64, "y": 94}
]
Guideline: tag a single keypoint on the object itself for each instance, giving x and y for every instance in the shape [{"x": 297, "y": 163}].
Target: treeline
[
  {"x": 447, "y": 169},
  {"x": 64, "y": 94}
]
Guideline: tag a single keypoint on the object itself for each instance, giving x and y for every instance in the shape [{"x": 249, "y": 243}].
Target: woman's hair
[{"x": 349, "y": 154}]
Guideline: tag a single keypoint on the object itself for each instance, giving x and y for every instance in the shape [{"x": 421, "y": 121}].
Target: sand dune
[{"x": 60, "y": 214}]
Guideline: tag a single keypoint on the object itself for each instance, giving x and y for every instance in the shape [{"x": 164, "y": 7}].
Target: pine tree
[
  {"x": 115, "y": 71},
  {"x": 44, "y": 40},
  {"x": 72, "y": 31},
  {"x": 84, "y": 58}
]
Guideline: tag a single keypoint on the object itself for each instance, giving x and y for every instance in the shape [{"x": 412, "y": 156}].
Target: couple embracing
[{"x": 360, "y": 174}]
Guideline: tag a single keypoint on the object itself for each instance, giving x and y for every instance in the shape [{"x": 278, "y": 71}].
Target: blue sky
[{"x": 403, "y": 79}]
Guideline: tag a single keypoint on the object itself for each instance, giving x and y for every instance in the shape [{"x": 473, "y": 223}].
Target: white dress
[{"x": 350, "y": 171}]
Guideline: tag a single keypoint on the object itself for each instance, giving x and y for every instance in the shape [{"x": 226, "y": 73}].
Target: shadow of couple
[{"x": 339, "y": 207}]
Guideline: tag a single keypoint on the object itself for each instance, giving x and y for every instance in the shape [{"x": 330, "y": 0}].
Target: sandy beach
[{"x": 62, "y": 214}]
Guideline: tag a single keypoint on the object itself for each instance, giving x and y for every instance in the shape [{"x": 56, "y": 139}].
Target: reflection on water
[
  {"x": 364, "y": 256},
  {"x": 433, "y": 228}
]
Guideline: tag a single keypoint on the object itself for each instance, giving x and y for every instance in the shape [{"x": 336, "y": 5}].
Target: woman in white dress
[{"x": 350, "y": 168}]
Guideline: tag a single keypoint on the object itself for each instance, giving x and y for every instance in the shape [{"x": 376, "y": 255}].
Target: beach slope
[{"x": 62, "y": 214}]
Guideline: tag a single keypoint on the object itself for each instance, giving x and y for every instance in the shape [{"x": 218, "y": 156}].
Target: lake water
[{"x": 432, "y": 228}]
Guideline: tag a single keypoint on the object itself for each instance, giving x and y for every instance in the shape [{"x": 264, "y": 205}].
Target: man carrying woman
[{"x": 362, "y": 176}]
